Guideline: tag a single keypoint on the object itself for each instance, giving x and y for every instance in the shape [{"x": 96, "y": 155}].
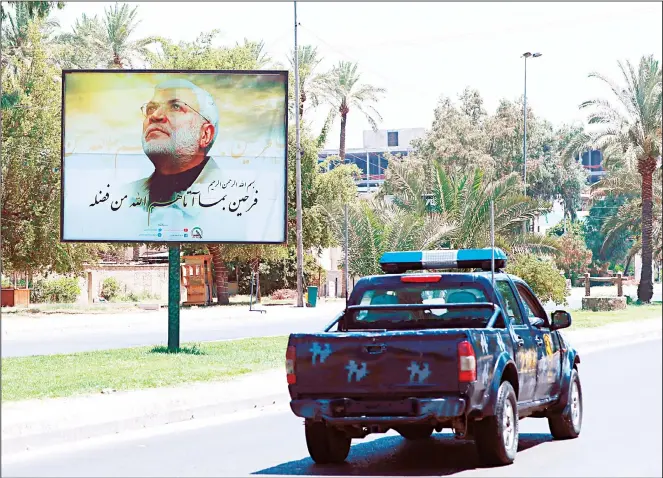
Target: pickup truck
[{"x": 422, "y": 351}]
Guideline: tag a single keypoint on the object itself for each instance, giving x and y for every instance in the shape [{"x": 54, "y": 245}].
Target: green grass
[
  {"x": 135, "y": 368},
  {"x": 582, "y": 319}
]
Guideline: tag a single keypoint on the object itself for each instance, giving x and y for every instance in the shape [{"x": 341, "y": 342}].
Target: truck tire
[
  {"x": 567, "y": 423},
  {"x": 415, "y": 432},
  {"x": 496, "y": 437},
  {"x": 325, "y": 444}
]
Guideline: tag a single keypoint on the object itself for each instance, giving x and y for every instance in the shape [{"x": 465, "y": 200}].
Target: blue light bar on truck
[{"x": 403, "y": 261}]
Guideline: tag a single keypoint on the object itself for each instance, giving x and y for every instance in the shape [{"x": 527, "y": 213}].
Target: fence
[{"x": 616, "y": 280}]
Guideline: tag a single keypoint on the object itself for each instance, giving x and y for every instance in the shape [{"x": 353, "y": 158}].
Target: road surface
[
  {"x": 621, "y": 436},
  {"x": 23, "y": 336}
]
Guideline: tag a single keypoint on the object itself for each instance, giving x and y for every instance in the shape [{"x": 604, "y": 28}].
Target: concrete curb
[
  {"x": 198, "y": 401},
  {"x": 22, "y": 443}
]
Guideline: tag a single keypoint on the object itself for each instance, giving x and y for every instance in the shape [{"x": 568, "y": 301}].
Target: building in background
[
  {"x": 592, "y": 161},
  {"x": 372, "y": 157}
]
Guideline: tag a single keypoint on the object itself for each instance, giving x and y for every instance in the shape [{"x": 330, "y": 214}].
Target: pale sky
[{"x": 420, "y": 51}]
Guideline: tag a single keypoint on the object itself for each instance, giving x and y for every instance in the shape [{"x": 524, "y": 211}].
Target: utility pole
[
  {"x": 526, "y": 55},
  {"x": 298, "y": 170}
]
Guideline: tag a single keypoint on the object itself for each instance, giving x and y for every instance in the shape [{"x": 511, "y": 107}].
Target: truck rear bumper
[{"x": 352, "y": 412}]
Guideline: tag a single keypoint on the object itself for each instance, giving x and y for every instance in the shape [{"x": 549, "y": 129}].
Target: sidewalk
[{"x": 41, "y": 423}]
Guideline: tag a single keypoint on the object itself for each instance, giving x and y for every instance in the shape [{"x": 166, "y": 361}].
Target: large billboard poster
[{"x": 165, "y": 156}]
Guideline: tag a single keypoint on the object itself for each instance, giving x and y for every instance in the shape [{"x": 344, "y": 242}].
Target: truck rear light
[
  {"x": 290, "y": 355},
  {"x": 467, "y": 362},
  {"x": 421, "y": 278}
]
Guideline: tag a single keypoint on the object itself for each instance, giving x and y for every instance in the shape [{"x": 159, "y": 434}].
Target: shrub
[
  {"x": 37, "y": 292},
  {"x": 280, "y": 274},
  {"x": 543, "y": 277},
  {"x": 135, "y": 297},
  {"x": 574, "y": 257},
  {"x": 283, "y": 294},
  {"x": 110, "y": 288},
  {"x": 61, "y": 290}
]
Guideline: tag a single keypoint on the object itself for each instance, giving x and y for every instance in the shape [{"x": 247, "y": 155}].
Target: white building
[{"x": 371, "y": 158}]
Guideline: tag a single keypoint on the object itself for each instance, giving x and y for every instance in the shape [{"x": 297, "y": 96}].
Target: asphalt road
[
  {"x": 621, "y": 436},
  {"x": 53, "y": 340}
]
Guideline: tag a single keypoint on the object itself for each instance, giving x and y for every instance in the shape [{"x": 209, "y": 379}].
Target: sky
[{"x": 421, "y": 51}]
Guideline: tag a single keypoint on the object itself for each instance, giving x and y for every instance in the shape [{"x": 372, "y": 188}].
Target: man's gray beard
[{"x": 178, "y": 149}]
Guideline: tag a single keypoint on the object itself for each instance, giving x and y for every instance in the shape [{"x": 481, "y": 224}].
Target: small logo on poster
[{"x": 196, "y": 233}]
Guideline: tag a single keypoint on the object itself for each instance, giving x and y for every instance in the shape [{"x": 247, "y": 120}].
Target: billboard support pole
[
  {"x": 298, "y": 170},
  {"x": 173, "y": 297}
]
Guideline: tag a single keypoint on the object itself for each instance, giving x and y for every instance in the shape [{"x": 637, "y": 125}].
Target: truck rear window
[{"x": 429, "y": 318}]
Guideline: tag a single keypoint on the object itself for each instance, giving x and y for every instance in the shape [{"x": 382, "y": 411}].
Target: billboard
[{"x": 174, "y": 156}]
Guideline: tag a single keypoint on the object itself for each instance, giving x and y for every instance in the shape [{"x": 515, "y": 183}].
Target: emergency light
[{"x": 402, "y": 261}]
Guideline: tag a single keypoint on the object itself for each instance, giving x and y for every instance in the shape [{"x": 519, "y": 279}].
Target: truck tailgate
[{"x": 375, "y": 363}]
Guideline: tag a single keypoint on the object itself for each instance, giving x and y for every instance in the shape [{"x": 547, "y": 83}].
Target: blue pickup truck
[{"x": 422, "y": 351}]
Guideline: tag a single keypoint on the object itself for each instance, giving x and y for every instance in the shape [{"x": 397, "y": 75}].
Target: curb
[{"x": 12, "y": 445}]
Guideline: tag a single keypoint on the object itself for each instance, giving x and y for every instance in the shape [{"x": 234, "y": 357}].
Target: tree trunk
[
  {"x": 136, "y": 252},
  {"x": 302, "y": 100},
  {"x": 341, "y": 148},
  {"x": 255, "y": 267},
  {"x": 646, "y": 168},
  {"x": 220, "y": 274},
  {"x": 628, "y": 264}
]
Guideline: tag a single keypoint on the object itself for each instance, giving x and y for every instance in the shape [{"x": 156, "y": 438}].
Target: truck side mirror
[{"x": 561, "y": 319}]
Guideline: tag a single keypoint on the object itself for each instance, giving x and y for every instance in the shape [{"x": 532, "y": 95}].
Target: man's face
[{"x": 172, "y": 128}]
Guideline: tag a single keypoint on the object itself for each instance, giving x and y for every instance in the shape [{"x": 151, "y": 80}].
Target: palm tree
[
  {"x": 629, "y": 216},
  {"x": 257, "y": 49},
  {"x": 343, "y": 92},
  {"x": 33, "y": 9},
  {"x": 377, "y": 226},
  {"x": 15, "y": 43},
  {"x": 119, "y": 25},
  {"x": 109, "y": 41},
  {"x": 311, "y": 84},
  {"x": 79, "y": 48},
  {"x": 630, "y": 137},
  {"x": 421, "y": 188}
]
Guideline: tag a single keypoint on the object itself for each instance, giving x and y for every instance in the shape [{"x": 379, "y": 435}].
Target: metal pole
[
  {"x": 173, "y": 297},
  {"x": 251, "y": 293},
  {"x": 298, "y": 168},
  {"x": 492, "y": 242},
  {"x": 525, "y": 140},
  {"x": 346, "y": 260}
]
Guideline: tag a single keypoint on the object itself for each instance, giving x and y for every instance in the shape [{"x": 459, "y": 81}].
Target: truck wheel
[
  {"x": 496, "y": 437},
  {"x": 567, "y": 423},
  {"x": 326, "y": 444},
  {"x": 415, "y": 432}
]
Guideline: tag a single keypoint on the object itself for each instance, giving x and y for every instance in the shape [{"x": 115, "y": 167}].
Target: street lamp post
[
  {"x": 526, "y": 55},
  {"x": 298, "y": 181}
]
